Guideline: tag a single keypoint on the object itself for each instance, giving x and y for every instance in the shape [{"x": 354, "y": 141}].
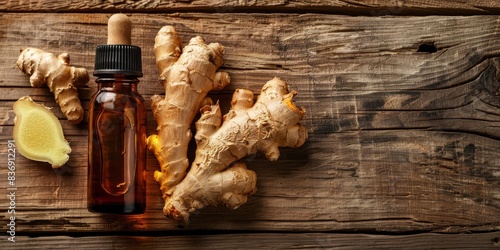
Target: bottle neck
[{"x": 118, "y": 83}]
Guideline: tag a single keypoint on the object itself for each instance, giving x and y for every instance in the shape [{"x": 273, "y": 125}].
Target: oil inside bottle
[{"x": 117, "y": 152}]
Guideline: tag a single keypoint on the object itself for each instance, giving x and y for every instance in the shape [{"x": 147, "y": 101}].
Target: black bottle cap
[{"x": 113, "y": 59}]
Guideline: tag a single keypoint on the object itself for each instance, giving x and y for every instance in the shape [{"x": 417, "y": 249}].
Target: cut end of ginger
[{"x": 38, "y": 133}]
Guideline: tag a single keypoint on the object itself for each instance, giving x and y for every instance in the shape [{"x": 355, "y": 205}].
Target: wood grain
[
  {"x": 344, "y": 7},
  {"x": 400, "y": 141}
]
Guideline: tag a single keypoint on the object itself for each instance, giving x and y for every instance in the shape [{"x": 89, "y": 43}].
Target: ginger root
[
  {"x": 62, "y": 79},
  {"x": 216, "y": 177},
  {"x": 187, "y": 78},
  {"x": 38, "y": 133}
]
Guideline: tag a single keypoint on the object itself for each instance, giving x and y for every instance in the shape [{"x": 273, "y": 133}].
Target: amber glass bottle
[{"x": 117, "y": 133}]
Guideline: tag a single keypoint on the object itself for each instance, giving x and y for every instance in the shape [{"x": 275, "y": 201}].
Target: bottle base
[{"x": 116, "y": 209}]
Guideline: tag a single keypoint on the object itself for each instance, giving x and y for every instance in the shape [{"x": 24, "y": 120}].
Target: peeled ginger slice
[{"x": 38, "y": 133}]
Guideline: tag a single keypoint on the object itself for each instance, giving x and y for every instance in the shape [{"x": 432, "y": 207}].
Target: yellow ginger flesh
[{"x": 38, "y": 133}]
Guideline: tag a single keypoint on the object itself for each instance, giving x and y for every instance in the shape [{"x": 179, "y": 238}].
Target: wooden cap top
[{"x": 119, "y": 29}]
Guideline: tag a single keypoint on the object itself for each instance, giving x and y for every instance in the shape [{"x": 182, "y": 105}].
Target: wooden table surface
[{"x": 402, "y": 101}]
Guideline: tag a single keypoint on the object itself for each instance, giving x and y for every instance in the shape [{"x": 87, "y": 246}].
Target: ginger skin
[
  {"x": 187, "y": 78},
  {"x": 62, "y": 79},
  {"x": 216, "y": 177},
  {"x": 38, "y": 133}
]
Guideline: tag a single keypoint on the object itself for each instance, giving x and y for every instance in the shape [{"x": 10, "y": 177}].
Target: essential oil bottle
[{"x": 117, "y": 126}]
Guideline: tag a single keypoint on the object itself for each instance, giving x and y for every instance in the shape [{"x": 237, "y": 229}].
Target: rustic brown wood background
[{"x": 402, "y": 102}]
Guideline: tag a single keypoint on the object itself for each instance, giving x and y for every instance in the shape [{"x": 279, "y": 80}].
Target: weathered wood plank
[
  {"x": 357, "y": 7},
  {"x": 400, "y": 140},
  {"x": 263, "y": 241}
]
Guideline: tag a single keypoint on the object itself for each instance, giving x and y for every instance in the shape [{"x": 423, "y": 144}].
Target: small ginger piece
[
  {"x": 38, "y": 133},
  {"x": 62, "y": 79}
]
